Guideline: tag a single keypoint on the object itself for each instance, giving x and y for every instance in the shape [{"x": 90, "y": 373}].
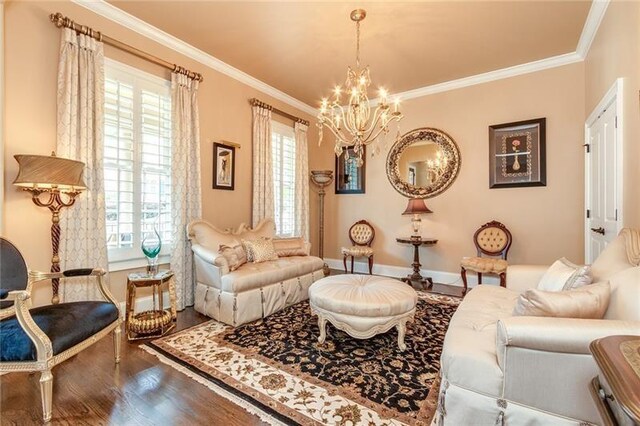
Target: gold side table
[{"x": 157, "y": 321}]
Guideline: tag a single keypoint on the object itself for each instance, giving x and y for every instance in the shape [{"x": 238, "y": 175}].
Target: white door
[{"x": 601, "y": 175}]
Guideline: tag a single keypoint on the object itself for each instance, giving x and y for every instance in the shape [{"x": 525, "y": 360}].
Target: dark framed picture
[
  {"x": 224, "y": 166},
  {"x": 517, "y": 155},
  {"x": 350, "y": 179}
]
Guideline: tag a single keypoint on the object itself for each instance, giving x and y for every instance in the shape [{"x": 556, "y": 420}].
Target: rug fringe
[{"x": 217, "y": 389}]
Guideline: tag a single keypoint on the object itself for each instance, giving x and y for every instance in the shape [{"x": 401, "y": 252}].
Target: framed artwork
[
  {"x": 224, "y": 166},
  {"x": 517, "y": 155},
  {"x": 350, "y": 179}
]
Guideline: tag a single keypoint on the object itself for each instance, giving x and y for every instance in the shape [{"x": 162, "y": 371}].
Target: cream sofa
[
  {"x": 499, "y": 369},
  {"x": 254, "y": 290}
]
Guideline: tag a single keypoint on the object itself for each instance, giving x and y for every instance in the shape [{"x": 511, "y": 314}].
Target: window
[
  {"x": 284, "y": 178},
  {"x": 137, "y": 159}
]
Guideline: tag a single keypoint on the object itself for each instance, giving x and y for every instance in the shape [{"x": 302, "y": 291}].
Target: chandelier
[{"x": 354, "y": 125}]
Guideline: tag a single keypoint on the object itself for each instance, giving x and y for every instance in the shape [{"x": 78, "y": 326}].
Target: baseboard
[
  {"x": 146, "y": 303},
  {"x": 442, "y": 277}
]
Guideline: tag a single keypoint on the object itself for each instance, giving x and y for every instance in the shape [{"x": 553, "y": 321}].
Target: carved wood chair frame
[{"x": 365, "y": 244}]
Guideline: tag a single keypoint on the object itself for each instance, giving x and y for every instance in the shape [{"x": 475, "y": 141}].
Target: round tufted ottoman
[{"x": 363, "y": 305}]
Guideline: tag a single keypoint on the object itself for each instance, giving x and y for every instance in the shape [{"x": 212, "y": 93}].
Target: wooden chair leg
[
  {"x": 503, "y": 280},
  {"x": 46, "y": 393},
  {"x": 479, "y": 277},
  {"x": 352, "y": 257},
  {"x": 463, "y": 273},
  {"x": 370, "y": 265},
  {"x": 117, "y": 340},
  {"x": 344, "y": 260}
]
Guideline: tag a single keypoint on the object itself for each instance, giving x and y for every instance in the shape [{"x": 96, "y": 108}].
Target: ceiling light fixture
[{"x": 354, "y": 125}]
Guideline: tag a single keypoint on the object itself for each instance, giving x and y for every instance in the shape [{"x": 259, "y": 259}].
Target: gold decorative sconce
[{"x": 55, "y": 176}]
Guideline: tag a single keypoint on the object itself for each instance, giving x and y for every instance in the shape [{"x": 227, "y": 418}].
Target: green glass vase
[{"x": 151, "y": 246}]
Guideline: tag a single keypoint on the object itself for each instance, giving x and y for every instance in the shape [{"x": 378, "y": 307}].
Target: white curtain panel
[
  {"x": 185, "y": 182},
  {"x": 80, "y": 137},
  {"x": 301, "y": 216},
  {"x": 263, "y": 206}
]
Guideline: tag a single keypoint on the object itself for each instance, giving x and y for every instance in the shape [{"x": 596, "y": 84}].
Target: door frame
[{"x": 613, "y": 95}]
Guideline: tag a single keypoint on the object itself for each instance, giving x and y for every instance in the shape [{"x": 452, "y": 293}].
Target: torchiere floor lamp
[
  {"x": 55, "y": 176},
  {"x": 322, "y": 179}
]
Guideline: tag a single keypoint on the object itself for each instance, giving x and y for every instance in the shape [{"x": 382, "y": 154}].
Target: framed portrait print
[
  {"x": 350, "y": 179},
  {"x": 517, "y": 155},
  {"x": 224, "y": 166}
]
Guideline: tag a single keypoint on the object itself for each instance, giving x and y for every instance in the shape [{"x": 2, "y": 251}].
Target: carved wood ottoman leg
[
  {"x": 322, "y": 324},
  {"x": 402, "y": 331},
  {"x": 46, "y": 391}
]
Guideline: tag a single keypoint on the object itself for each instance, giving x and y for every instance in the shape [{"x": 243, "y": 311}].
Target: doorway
[{"x": 603, "y": 173}]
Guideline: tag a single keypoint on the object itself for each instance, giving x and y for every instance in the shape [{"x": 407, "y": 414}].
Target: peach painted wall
[
  {"x": 615, "y": 53},
  {"x": 546, "y": 222},
  {"x": 31, "y": 61}
]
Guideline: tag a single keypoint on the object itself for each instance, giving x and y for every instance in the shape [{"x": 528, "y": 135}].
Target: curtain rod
[
  {"x": 62, "y": 21},
  {"x": 257, "y": 102}
]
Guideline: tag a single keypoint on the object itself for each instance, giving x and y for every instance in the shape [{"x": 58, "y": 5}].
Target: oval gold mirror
[{"x": 423, "y": 163}]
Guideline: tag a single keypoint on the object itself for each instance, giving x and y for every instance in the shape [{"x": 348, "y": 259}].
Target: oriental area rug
[{"x": 276, "y": 369}]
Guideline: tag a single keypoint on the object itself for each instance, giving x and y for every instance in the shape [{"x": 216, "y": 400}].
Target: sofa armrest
[
  {"x": 563, "y": 335},
  {"x": 209, "y": 256},
  {"x": 523, "y": 277},
  {"x": 307, "y": 247}
]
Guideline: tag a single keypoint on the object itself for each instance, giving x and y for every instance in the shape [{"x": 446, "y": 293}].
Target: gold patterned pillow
[
  {"x": 285, "y": 247},
  {"x": 260, "y": 250},
  {"x": 235, "y": 255}
]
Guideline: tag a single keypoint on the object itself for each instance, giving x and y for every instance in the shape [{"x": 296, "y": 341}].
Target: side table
[
  {"x": 157, "y": 321},
  {"x": 416, "y": 277}
]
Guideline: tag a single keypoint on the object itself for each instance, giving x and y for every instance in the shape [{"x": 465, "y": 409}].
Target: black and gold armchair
[{"x": 37, "y": 339}]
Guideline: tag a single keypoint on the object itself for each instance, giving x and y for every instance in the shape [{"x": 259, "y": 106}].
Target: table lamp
[
  {"x": 416, "y": 207},
  {"x": 55, "y": 176},
  {"x": 322, "y": 179}
]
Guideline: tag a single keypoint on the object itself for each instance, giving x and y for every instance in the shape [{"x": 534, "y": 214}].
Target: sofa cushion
[
  {"x": 624, "y": 303},
  {"x": 587, "y": 302},
  {"x": 564, "y": 275},
  {"x": 469, "y": 356},
  {"x": 255, "y": 275},
  {"x": 612, "y": 260}
]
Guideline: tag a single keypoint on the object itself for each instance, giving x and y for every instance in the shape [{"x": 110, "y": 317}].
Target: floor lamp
[
  {"x": 54, "y": 176},
  {"x": 322, "y": 179}
]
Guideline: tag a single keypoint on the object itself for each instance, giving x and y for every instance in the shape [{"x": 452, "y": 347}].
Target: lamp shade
[
  {"x": 416, "y": 206},
  {"x": 47, "y": 172}
]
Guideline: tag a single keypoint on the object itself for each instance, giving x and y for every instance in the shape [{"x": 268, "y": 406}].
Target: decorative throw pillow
[
  {"x": 235, "y": 255},
  {"x": 587, "y": 302},
  {"x": 285, "y": 247},
  {"x": 260, "y": 250},
  {"x": 564, "y": 275}
]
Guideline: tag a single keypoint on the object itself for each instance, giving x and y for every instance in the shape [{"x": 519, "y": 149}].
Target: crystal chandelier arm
[
  {"x": 336, "y": 132},
  {"x": 374, "y": 123}
]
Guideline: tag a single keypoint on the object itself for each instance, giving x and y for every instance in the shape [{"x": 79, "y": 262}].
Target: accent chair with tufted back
[
  {"x": 491, "y": 239},
  {"x": 361, "y": 235}
]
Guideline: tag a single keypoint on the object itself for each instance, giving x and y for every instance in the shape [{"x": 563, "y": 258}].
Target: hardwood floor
[{"x": 89, "y": 389}]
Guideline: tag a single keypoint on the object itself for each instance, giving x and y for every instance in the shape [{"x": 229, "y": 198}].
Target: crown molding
[
  {"x": 516, "y": 70},
  {"x": 591, "y": 25},
  {"x": 119, "y": 16}
]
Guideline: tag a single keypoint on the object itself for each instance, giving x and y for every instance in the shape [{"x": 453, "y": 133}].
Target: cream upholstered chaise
[
  {"x": 514, "y": 370},
  {"x": 254, "y": 290}
]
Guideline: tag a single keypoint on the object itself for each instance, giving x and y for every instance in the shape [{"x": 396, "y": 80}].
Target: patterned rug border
[
  {"x": 253, "y": 405},
  {"x": 239, "y": 398}
]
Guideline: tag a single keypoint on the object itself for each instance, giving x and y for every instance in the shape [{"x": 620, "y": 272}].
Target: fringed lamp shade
[
  {"x": 417, "y": 206},
  {"x": 47, "y": 172}
]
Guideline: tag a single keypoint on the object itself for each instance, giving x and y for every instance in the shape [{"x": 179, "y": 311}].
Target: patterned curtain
[
  {"x": 262, "y": 165},
  {"x": 79, "y": 136},
  {"x": 185, "y": 181},
  {"x": 301, "y": 215}
]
